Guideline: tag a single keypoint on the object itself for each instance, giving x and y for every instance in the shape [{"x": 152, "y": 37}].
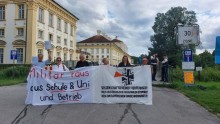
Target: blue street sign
[
  {"x": 187, "y": 56},
  {"x": 14, "y": 54},
  {"x": 217, "y": 50}
]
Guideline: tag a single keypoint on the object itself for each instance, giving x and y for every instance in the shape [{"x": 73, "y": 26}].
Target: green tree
[
  {"x": 164, "y": 40},
  {"x": 206, "y": 59},
  {"x": 135, "y": 59}
]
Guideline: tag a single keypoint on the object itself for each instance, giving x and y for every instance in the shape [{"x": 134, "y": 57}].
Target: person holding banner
[
  {"x": 145, "y": 61},
  {"x": 82, "y": 62},
  {"x": 105, "y": 61},
  {"x": 60, "y": 66},
  {"x": 125, "y": 62},
  {"x": 42, "y": 63}
]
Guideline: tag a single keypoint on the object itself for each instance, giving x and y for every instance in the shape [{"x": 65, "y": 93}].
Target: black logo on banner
[{"x": 127, "y": 77}]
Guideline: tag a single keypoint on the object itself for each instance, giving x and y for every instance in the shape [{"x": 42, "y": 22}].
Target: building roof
[
  {"x": 65, "y": 9},
  {"x": 96, "y": 39},
  {"x": 116, "y": 40}
]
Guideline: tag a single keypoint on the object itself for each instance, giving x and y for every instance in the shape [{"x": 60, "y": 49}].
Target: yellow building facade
[
  {"x": 26, "y": 24},
  {"x": 100, "y": 47}
]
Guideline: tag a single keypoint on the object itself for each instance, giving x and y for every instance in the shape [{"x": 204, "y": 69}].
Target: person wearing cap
[{"x": 59, "y": 66}]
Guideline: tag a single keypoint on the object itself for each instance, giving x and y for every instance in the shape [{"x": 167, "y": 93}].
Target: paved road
[{"x": 169, "y": 107}]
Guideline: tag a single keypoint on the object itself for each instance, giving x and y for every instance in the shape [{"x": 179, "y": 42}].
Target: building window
[
  {"x": 40, "y": 34},
  {"x": 51, "y": 20},
  {"x": 41, "y": 15},
  {"x": 40, "y": 51},
  {"x": 66, "y": 27},
  {"x": 97, "y": 50},
  {"x": 71, "y": 31},
  {"x": 20, "y": 55},
  {"x": 20, "y": 31},
  {"x": 97, "y": 56},
  {"x": 107, "y": 50},
  {"x": 65, "y": 56},
  {"x": 92, "y": 51},
  {"x": 58, "y": 40},
  {"x": 1, "y": 55},
  {"x": 71, "y": 43},
  {"x": 58, "y": 24},
  {"x": 21, "y": 11},
  {"x": 58, "y": 54},
  {"x": 2, "y": 12},
  {"x": 71, "y": 56},
  {"x": 2, "y": 32},
  {"x": 50, "y": 37},
  {"x": 65, "y": 41},
  {"x": 102, "y": 56},
  {"x": 102, "y": 50},
  {"x": 107, "y": 56}
]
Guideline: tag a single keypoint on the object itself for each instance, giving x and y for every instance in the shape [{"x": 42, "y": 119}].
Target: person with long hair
[{"x": 125, "y": 62}]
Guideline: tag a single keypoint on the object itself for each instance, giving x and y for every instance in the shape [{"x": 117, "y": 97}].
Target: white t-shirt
[{"x": 60, "y": 67}]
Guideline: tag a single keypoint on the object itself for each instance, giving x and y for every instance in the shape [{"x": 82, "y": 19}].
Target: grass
[
  {"x": 207, "y": 94},
  {"x": 7, "y": 82}
]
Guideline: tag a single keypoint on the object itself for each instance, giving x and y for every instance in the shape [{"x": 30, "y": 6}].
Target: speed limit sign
[{"x": 188, "y": 35}]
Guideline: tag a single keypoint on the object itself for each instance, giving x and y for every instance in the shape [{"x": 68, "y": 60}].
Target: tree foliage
[{"x": 164, "y": 40}]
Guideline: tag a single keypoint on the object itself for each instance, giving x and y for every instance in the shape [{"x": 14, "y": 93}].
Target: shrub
[
  {"x": 15, "y": 72},
  {"x": 177, "y": 73},
  {"x": 207, "y": 74}
]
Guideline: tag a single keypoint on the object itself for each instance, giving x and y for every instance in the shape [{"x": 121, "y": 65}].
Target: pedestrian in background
[
  {"x": 164, "y": 69},
  {"x": 154, "y": 63}
]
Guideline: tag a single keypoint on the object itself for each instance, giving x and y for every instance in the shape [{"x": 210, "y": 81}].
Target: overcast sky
[{"x": 132, "y": 20}]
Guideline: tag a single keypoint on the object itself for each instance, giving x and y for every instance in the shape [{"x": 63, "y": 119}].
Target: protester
[
  {"x": 42, "y": 63},
  {"x": 165, "y": 69},
  {"x": 145, "y": 61},
  {"x": 154, "y": 63},
  {"x": 60, "y": 66},
  {"x": 82, "y": 62},
  {"x": 125, "y": 62},
  {"x": 105, "y": 61}
]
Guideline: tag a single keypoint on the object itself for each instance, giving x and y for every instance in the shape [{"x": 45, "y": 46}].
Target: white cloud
[{"x": 132, "y": 20}]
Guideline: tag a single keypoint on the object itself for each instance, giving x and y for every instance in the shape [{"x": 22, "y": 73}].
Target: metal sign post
[
  {"x": 14, "y": 55},
  {"x": 186, "y": 35}
]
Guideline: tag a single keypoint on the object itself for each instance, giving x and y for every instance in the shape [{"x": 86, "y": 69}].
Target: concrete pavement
[{"x": 169, "y": 107}]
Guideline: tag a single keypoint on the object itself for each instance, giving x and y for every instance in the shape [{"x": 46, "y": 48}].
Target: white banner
[{"x": 96, "y": 84}]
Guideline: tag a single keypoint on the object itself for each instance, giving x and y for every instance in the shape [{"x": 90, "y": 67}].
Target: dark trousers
[
  {"x": 154, "y": 72},
  {"x": 164, "y": 73}
]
